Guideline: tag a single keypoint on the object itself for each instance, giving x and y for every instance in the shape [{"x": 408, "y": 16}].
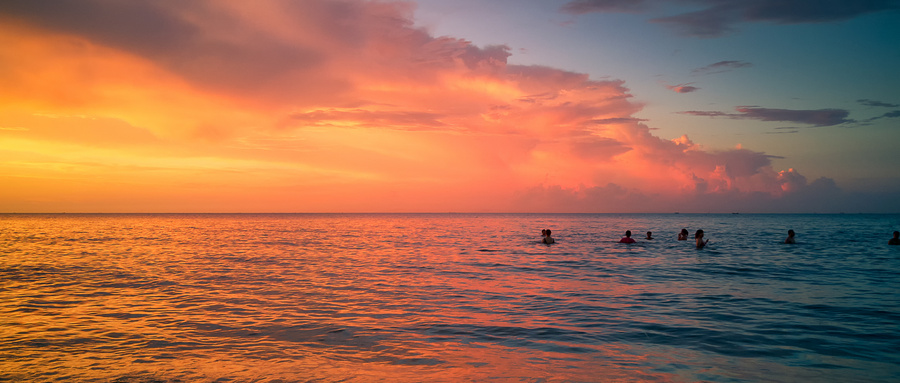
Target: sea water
[{"x": 447, "y": 298}]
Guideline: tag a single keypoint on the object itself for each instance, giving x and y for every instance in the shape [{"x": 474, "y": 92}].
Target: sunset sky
[{"x": 450, "y": 106}]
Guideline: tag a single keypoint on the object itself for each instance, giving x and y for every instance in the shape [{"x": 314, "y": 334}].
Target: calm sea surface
[{"x": 447, "y": 297}]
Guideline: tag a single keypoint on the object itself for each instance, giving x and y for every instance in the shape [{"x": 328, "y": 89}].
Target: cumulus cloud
[
  {"x": 721, "y": 67},
  {"x": 346, "y": 106},
  {"x": 716, "y": 18},
  {"x": 821, "y": 195},
  {"x": 817, "y": 117}
]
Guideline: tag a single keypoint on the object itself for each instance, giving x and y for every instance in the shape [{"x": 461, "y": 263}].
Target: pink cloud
[
  {"x": 348, "y": 106},
  {"x": 683, "y": 88}
]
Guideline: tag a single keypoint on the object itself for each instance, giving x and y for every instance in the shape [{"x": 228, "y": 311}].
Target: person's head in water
[
  {"x": 543, "y": 232},
  {"x": 790, "y": 238},
  {"x": 698, "y": 234},
  {"x": 628, "y": 233},
  {"x": 649, "y": 235},
  {"x": 547, "y": 238},
  {"x": 897, "y": 235},
  {"x": 684, "y": 231}
]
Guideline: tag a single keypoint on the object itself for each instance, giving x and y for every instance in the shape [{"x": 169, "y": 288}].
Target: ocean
[{"x": 447, "y": 298}]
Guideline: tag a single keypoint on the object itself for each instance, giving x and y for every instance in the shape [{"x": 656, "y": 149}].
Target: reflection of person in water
[
  {"x": 896, "y": 239},
  {"x": 547, "y": 238},
  {"x": 682, "y": 236},
  {"x": 700, "y": 241},
  {"x": 627, "y": 238},
  {"x": 790, "y": 238}
]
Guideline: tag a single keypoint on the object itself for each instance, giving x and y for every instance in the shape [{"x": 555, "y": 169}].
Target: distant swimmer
[
  {"x": 543, "y": 233},
  {"x": 790, "y": 239},
  {"x": 896, "y": 239},
  {"x": 627, "y": 238},
  {"x": 547, "y": 238},
  {"x": 682, "y": 236},
  {"x": 700, "y": 241},
  {"x": 649, "y": 235}
]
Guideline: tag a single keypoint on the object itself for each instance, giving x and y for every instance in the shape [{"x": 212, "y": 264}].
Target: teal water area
[{"x": 447, "y": 298}]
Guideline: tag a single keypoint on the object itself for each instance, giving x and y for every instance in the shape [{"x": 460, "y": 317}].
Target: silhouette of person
[
  {"x": 627, "y": 238},
  {"x": 547, "y": 238},
  {"x": 896, "y": 239},
  {"x": 700, "y": 241},
  {"x": 649, "y": 235},
  {"x": 682, "y": 236},
  {"x": 790, "y": 238}
]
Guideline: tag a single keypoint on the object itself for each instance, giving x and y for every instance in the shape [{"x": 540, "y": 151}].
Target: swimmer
[
  {"x": 896, "y": 239},
  {"x": 682, "y": 236},
  {"x": 547, "y": 238},
  {"x": 627, "y": 238},
  {"x": 700, "y": 241},
  {"x": 649, "y": 235},
  {"x": 543, "y": 233},
  {"x": 790, "y": 239}
]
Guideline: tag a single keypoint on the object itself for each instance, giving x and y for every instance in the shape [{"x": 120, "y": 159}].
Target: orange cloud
[{"x": 322, "y": 106}]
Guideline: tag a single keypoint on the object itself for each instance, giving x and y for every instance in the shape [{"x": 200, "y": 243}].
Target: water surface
[{"x": 447, "y": 297}]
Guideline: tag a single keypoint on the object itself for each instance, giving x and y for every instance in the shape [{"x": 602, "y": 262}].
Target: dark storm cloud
[
  {"x": 718, "y": 17},
  {"x": 818, "y": 117}
]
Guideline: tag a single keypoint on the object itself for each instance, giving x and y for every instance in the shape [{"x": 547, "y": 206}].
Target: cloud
[
  {"x": 818, "y": 117},
  {"x": 868, "y": 102},
  {"x": 82, "y": 130},
  {"x": 683, "y": 88},
  {"x": 334, "y": 106},
  {"x": 579, "y": 7},
  {"x": 403, "y": 120},
  {"x": 227, "y": 46},
  {"x": 892, "y": 114},
  {"x": 717, "y": 18},
  {"x": 821, "y": 195},
  {"x": 721, "y": 67}
]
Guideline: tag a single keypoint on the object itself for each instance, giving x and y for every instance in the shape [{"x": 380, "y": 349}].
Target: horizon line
[{"x": 451, "y": 212}]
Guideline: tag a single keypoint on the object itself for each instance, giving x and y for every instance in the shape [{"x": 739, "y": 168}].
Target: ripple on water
[{"x": 414, "y": 298}]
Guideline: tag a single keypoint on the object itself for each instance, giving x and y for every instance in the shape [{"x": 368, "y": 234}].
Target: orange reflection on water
[{"x": 361, "y": 297}]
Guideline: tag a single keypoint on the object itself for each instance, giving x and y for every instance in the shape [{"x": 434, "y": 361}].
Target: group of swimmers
[
  {"x": 698, "y": 236},
  {"x": 682, "y": 236}
]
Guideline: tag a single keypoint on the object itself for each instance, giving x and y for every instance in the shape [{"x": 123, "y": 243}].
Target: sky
[{"x": 571, "y": 106}]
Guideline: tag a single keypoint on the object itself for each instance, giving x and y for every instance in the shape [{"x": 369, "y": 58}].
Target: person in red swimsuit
[{"x": 627, "y": 238}]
